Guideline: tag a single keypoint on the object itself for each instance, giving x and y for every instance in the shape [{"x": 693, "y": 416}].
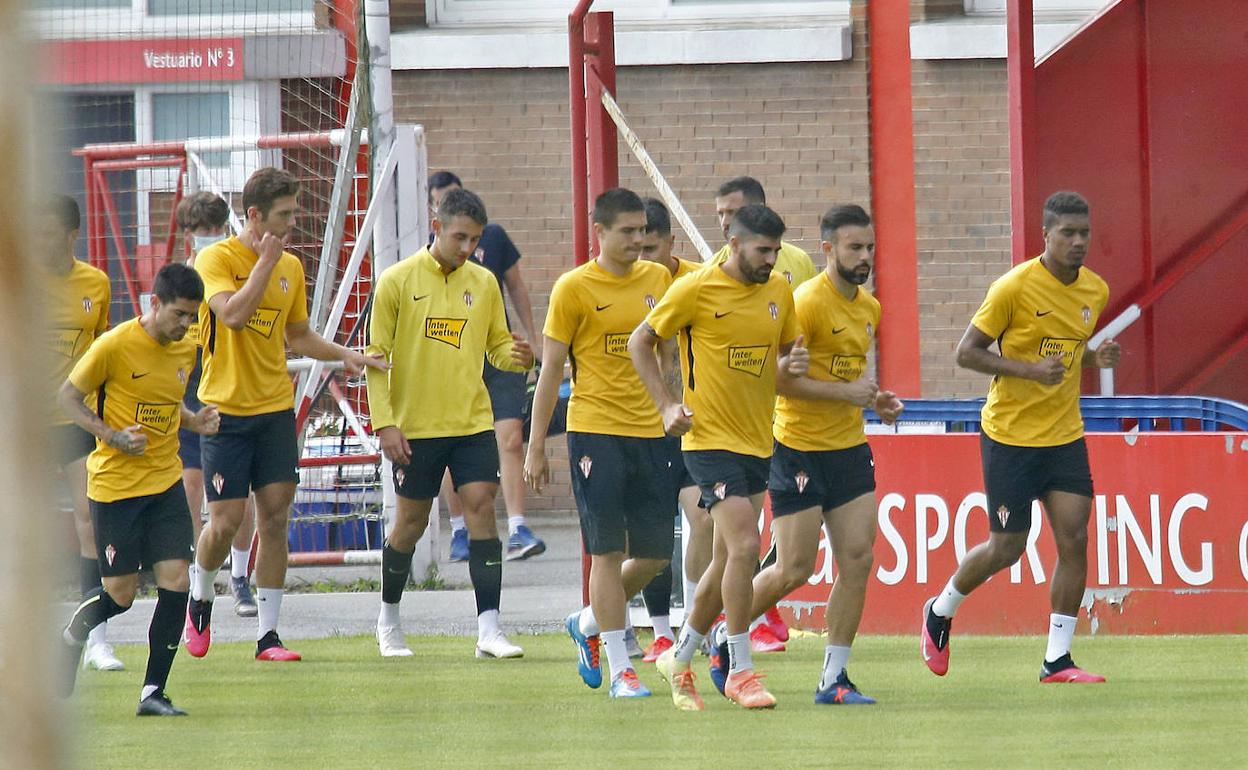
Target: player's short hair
[
  {"x": 842, "y": 215},
  {"x": 462, "y": 203},
  {"x": 266, "y": 186},
  {"x": 749, "y": 187},
  {"x": 176, "y": 281},
  {"x": 757, "y": 219},
  {"x": 610, "y": 204},
  {"x": 1064, "y": 203},
  {"x": 441, "y": 179},
  {"x": 202, "y": 209},
  {"x": 65, "y": 209},
  {"x": 658, "y": 220}
]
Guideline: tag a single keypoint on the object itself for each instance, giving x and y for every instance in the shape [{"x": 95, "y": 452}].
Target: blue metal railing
[{"x": 1100, "y": 413}]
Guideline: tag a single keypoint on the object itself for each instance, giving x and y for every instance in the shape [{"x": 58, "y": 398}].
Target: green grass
[{"x": 1171, "y": 702}]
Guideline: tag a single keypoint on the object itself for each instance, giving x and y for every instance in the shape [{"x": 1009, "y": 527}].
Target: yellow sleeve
[
  {"x": 381, "y": 343},
  {"x": 995, "y": 313},
  {"x": 721, "y": 256},
  {"x": 789, "y": 331},
  {"x": 106, "y": 302},
  {"x": 92, "y": 369},
  {"x": 803, "y": 266},
  {"x": 807, "y": 318},
  {"x": 210, "y": 264},
  {"x": 677, "y": 307},
  {"x": 299, "y": 302},
  {"x": 563, "y": 315},
  {"x": 499, "y": 342}
]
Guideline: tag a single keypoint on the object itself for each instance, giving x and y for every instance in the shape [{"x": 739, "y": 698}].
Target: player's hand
[
  {"x": 536, "y": 468},
  {"x": 862, "y": 392},
  {"x": 888, "y": 406},
  {"x": 1049, "y": 371},
  {"x": 355, "y": 363},
  {"x": 1107, "y": 355},
  {"x": 521, "y": 352},
  {"x": 269, "y": 248},
  {"x": 207, "y": 421},
  {"x": 798, "y": 360},
  {"x": 131, "y": 440},
  {"x": 677, "y": 419},
  {"x": 394, "y": 445}
]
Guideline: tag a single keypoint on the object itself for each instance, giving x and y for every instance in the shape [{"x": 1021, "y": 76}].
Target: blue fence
[{"x": 1100, "y": 413}]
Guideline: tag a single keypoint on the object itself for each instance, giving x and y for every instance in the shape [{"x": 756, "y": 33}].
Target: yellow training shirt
[
  {"x": 78, "y": 309},
  {"x": 593, "y": 312},
  {"x": 1033, "y": 316},
  {"x": 139, "y": 382},
  {"x": 685, "y": 267},
  {"x": 838, "y": 333},
  {"x": 437, "y": 330},
  {"x": 728, "y": 358},
  {"x": 245, "y": 370},
  {"x": 792, "y": 263}
]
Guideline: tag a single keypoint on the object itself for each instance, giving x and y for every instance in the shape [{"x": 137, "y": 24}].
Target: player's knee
[
  {"x": 510, "y": 441},
  {"x": 1007, "y": 549},
  {"x": 794, "y": 575},
  {"x": 1072, "y": 543},
  {"x": 744, "y": 546},
  {"x": 122, "y": 596},
  {"x": 855, "y": 565}
]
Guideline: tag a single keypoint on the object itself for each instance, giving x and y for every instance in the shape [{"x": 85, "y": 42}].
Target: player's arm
[
  {"x": 235, "y": 308},
  {"x": 381, "y": 332},
  {"x": 505, "y": 350},
  {"x": 643, "y": 348},
  {"x": 305, "y": 342},
  {"x": 205, "y": 422},
  {"x": 554, "y": 355},
  {"x": 1104, "y": 357},
  {"x": 130, "y": 440},
  {"x": 669, "y": 365},
  {"x": 519, "y": 292},
  {"x": 973, "y": 354}
]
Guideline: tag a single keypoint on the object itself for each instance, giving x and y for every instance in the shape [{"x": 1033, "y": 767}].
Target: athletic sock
[
  {"x": 395, "y": 567},
  {"x": 96, "y": 608},
  {"x": 587, "y": 622},
  {"x": 658, "y": 593},
  {"x": 487, "y": 624},
  {"x": 946, "y": 605},
  {"x": 691, "y": 590},
  {"x": 835, "y": 658},
  {"x": 485, "y": 568},
  {"x": 163, "y": 636},
  {"x": 739, "y": 653},
  {"x": 88, "y": 575},
  {"x": 688, "y": 644},
  {"x": 98, "y": 635},
  {"x": 514, "y": 523},
  {"x": 617, "y": 652},
  {"x": 389, "y": 615},
  {"x": 662, "y": 626},
  {"x": 202, "y": 580},
  {"x": 239, "y": 561},
  {"x": 1061, "y": 633},
  {"x": 269, "y": 606},
  {"x": 457, "y": 523}
]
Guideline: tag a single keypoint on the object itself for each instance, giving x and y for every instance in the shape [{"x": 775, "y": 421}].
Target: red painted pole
[
  {"x": 1026, "y": 240},
  {"x": 892, "y": 196},
  {"x": 601, "y": 143},
  {"x": 576, "y": 108}
]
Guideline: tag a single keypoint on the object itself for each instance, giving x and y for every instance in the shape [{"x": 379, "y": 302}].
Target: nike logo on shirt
[
  {"x": 241, "y": 277},
  {"x": 838, "y": 331},
  {"x": 1042, "y": 314},
  {"x": 136, "y": 375},
  {"x": 602, "y": 307},
  {"x": 418, "y": 299},
  {"x": 493, "y": 564},
  {"x": 721, "y": 315}
]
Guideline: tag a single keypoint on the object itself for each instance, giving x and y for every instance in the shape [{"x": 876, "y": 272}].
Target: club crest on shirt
[
  {"x": 650, "y": 302},
  {"x": 218, "y": 482},
  {"x": 110, "y": 553},
  {"x": 1087, "y": 315},
  {"x": 448, "y": 330},
  {"x": 870, "y": 329},
  {"x": 801, "y": 479},
  {"x": 586, "y": 464},
  {"x": 1003, "y": 515},
  {"x": 399, "y": 475},
  {"x": 87, "y": 304},
  {"x": 479, "y": 255},
  {"x": 182, "y": 376},
  {"x": 284, "y": 284},
  {"x": 775, "y": 311},
  {"x": 720, "y": 489},
  {"x": 468, "y": 298},
  {"x": 788, "y": 276}
]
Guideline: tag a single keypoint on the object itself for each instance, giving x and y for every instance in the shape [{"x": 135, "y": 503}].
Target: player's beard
[{"x": 855, "y": 276}]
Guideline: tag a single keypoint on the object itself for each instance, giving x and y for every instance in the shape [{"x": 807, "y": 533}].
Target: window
[
  {"x": 184, "y": 116},
  {"x": 486, "y": 12},
  {"x": 1041, "y": 8}
]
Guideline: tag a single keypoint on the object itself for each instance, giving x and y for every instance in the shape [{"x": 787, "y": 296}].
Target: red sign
[
  {"x": 1167, "y": 540},
  {"x": 84, "y": 62}
]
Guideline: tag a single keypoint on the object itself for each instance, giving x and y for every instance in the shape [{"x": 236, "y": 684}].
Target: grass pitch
[{"x": 1170, "y": 702}]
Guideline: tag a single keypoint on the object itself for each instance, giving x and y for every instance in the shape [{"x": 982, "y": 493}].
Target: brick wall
[{"x": 802, "y": 129}]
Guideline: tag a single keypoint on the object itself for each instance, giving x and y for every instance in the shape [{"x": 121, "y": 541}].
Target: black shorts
[
  {"x": 1014, "y": 476},
  {"x": 824, "y": 480},
  {"x": 720, "y": 474},
  {"x": 676, "y": 461},
  {"x": 469, "y": 458},
  {"x": 249, "y": 452},
  {"x": 624, "y": 494},
  {"x": 188, "y": 449},
  {"x": 142, "y": 530},
  {"x": 508, "y": 391},
  {"x": 71, "y": 443}
]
